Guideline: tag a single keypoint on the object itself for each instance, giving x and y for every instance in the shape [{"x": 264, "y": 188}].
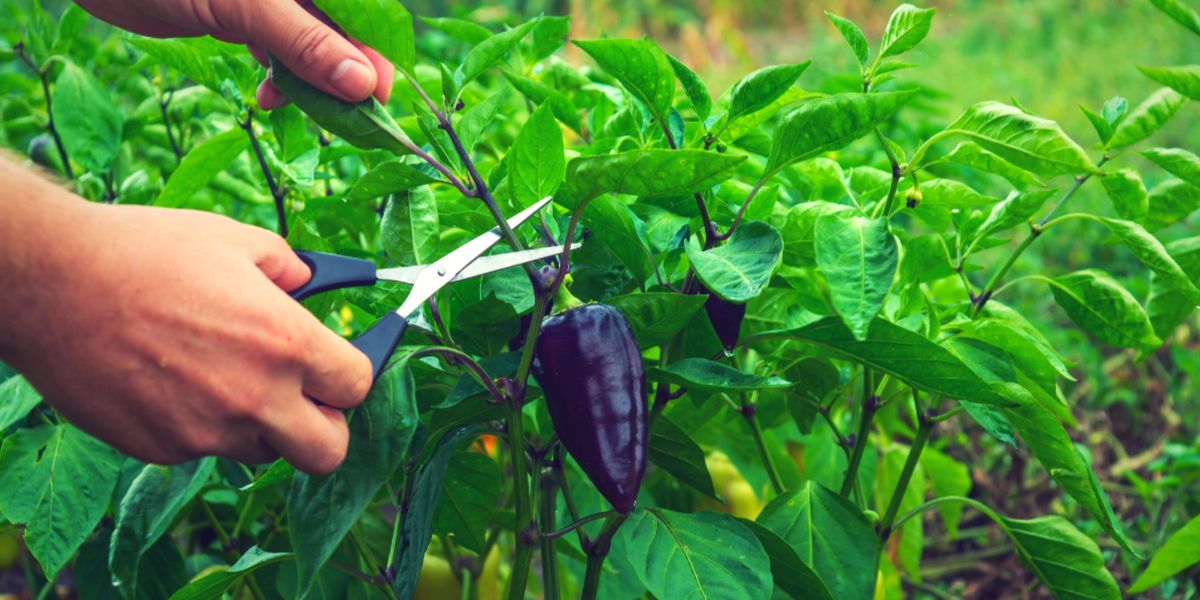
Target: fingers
[
  {"x": 313, "y": 50},
  {"x": 384, "y": 70},
  {"x": 335, "y": 372},
  {"x": 313, "y": 438},
  {"x": 278, "y": 262}
]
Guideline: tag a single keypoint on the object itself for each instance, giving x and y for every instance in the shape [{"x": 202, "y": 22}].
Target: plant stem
[
  {"x": 516, "y": 444},
  {"x": 577, "y": 524},
  {"x": 464, "y": 359},
  {"x": 226, "y": 542},
  {"x": 163, "y": 103},
  {"x": 548, "y": 511},
  {"x": 277, "y": 194},
  {"x": 737, "y": 218},
  {"x": 870, "y": 403},
  {"x": 897, "y": 173},
  {"x": 946, "y": 416},
  {"x": 596, "y": 555},
  {"x": 750, "y": 412},
  {"x": 924, "y": 427},
  {"x": 43, "y": 77}
]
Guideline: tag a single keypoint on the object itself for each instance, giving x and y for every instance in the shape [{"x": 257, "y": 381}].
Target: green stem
[
  {"x": 981, "y": 507},
  {"x": 870, "y": 404},
  {"x": 466, "y": 585},
  {"x": 750, "y": 412},
  {"x": 946, "y": 416},
  {"x": 277, "y": 193},
  {"x": 226, "y": 542},
  {"x": 464, "y": 359},
  {"x": 596, "y": 555},
  {"x": 548, "y": 511},
  {"x": 524, "y": 521},
  {"x": 897, "y": 173},
  {"x": 737, "y": 219},
  {"x": 43, "y": 77},
  {"x": 924, "y": 427}
]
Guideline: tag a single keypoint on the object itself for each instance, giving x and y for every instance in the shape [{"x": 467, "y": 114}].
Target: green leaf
[
  {"x": 459, "y": 29},
  {"x": 57, "y": 481},
  {"x": 384, "y": 25},
  {"x": 825, "y": 124},
  {"x": 475, "y": 120},
  {"x": 650, "y": 174},
  {"x": 147, "y": 510},
  {"x": 1103, "y": 129},
  {"x": 947, "y": 477},
  {"x": 1013, "y": 211},
  {"x": 536, "y": 166},
  {"x": 672, "y": 450},
  {"x": 760, "y": 89},
  {"x": 903, "y": 354},
  {"x": 410, "y": 232},
  {"x": 363, "y": 124},
  {"x": 1181, "y": 551},
  {"x": 550, "y": 35},
  {"x": 858, "y": 256},
  {"x": 1180, "y": 12},
  {"x": 417, "y": 527},
  {"x": 487, "y": 53},
  {"x": 1032, "y": 143},
  {"x": 321, "y": 509},
  {"x": 301, "y": 151},
  {"x": 201, "y": 165},
  {"x": 86, "y": 118},
  {"x": 656, "y": 317},
  {"x": 973, "y": 155},
  {"x": 539, "y": 93},
  {"x": 1176, "y": 161},
  {"x": 204, "y": 60},
  {"x": 486, "y": 326},
  {"x": 905, "y": 542},
  {"x": 468, "y": 500},
  {"x": 640, "y": 66},
  {"x": 1171, "y": 202},
  {"x": 797, "y": 232},
  {"x": 391, "y": 177},
  {"x": 622, "y": 232},
  {"x": 18, "y": 399},
  {"x": 1104, "y": 309},
  {"x": 280, "y": 471},
  {"x": 694, "y": 87},
  {"x": 1147, "y": 118},
  {"x": 1168, "y": 307},
  {"x": 1154, "y": 255},
  {"x": 1184, "y": 79},
  {"x": 703, "y": 555},
  {"x": 739, "y": 270},
  {"x": 749, "y": 124},
  {"x": 712, "y": 376},
  {"x": 905, "y": 29},
  {"x": 1064, "y": 559},
  {"x": 789, "y": 572},
  {"x": 213, "y": 585},
  {"x": 1127, "y": 193},
  {"x": 821, "y": 526},
  {"x": 853, "y": 35}
]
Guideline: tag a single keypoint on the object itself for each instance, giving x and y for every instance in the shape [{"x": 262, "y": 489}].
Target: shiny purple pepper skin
[
  {"x": 726, "y": 318},
  {"x": 590, "y": 370}
]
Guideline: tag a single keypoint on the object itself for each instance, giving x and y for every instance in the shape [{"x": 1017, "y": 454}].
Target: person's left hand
[{"x": 292, "y": 30}]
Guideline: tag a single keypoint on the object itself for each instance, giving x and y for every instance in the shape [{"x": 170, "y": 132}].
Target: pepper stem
[{"x": 564, "y": 300}]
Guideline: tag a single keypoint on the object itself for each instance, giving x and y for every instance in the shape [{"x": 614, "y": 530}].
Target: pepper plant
[{"x": 808, "y": 285}]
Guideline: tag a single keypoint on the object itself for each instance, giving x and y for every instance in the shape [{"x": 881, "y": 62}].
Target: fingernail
[{"x": 352, "y": 79}]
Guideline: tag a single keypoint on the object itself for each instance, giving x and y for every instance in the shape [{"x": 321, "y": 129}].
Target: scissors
[{"x": 332, "y": 272}]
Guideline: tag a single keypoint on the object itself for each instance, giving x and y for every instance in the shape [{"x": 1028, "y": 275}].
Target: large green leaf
[
  {"x": 213, "y": 585},
  {"x": 641, "y": 66},
  {"x": 384, "y": 25},
  {"x": 889, "y": 348},
  {"x": 760, "y": 88},
  {"x": 321, "y": 509},
  {"x": 853, "y": 35},
  {"x": 672, "y": 450},
  {"x": 1181, "y": 551},
  {"x": 86, "y": 118},
  {"x": 1153, "y": 255},
  {"x": 536, "y": 166},
  {"x": 696, "y": 555},
  {"x": 623, "y": 233},
  {"x": 1176, "y": 161},
  {"x": 905, "y": 29},
  {"x": 57, "y": 481},
  {"x": 788, "y": 570},
  {"x": 653, "y": 173},
  {"x": 18, "y": 398},
  {"x": 829, "y": 123},
  {"x": 739, "y": 270},
  {"x": 201, "y": 165},
  {"x": 831, "y": 536},
  {"x": 363, "y": 124},
  {"x": 656, "y": 317},
  {"x": 694, "y": 87},
  {"x": 385, "y": 178},
  {"x": 1101, "y": 307},
  {"x": 468, "y": 500},
  {"x": 1168, "y": 306},
  {"x": 1065, "y": 560},
  {"x": 459, "y": 29},
  {"x": 490, "y": 51},
  {"x": 1147, "y": 118},
  {"x": 709, "y": 375},
  {"x": 1013, "y": 211},
  {"x": 1184, "y": 79},
  {"x": 1127, "y": 193},
  {"x": 1171, "y": 202},
  {"x": 1035, "y": 144},
  {"x": 539, "y": 93},
  {"x": 947, "y": 477},
  {"x": 410, "y": 232},
  {"x": 798, "y": 230},
  {"x": 147, "y": 510},
  {"x": 858, "y": 257},
  {"x": 1180, "y": 12},
  {"x": 204, "y": 60},
  {"x": 975, "y": 156}
]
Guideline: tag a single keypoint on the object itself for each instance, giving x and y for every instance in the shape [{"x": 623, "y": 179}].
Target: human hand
[
  {"x": 293, "y": 30},
  {"x": 168, "y": 334}
]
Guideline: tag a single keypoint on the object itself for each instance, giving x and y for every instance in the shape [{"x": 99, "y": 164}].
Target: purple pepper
[
  {"x": 590, "y": 370},
  {"x": 725, "y": 316}
]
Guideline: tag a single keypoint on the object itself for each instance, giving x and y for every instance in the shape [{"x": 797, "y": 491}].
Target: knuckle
[
  {"x": 331, "y": 453},
  {"x": 310, "y": 45},
  {"x": 363, "y": 382}
]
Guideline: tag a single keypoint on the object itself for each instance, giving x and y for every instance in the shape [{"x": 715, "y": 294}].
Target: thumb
[{"x": 313, "y": 50}]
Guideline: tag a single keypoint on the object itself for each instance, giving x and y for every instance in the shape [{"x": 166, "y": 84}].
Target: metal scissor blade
[
  {"x": 442, "y": 271},
  {"x": 482, "y": 266}
]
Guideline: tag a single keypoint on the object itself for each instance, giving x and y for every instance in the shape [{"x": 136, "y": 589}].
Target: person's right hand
[
  {"x": 293, "y": 30},
  {"x": 168, "y": 333}
]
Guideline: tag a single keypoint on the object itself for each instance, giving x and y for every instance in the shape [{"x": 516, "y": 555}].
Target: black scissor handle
[
  {"x": 380, "y": 341},
  {"x": 333, "y": 272}
]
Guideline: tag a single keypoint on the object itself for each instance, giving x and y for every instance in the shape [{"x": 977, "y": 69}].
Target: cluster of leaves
[{"x": 871, "y": 280}]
